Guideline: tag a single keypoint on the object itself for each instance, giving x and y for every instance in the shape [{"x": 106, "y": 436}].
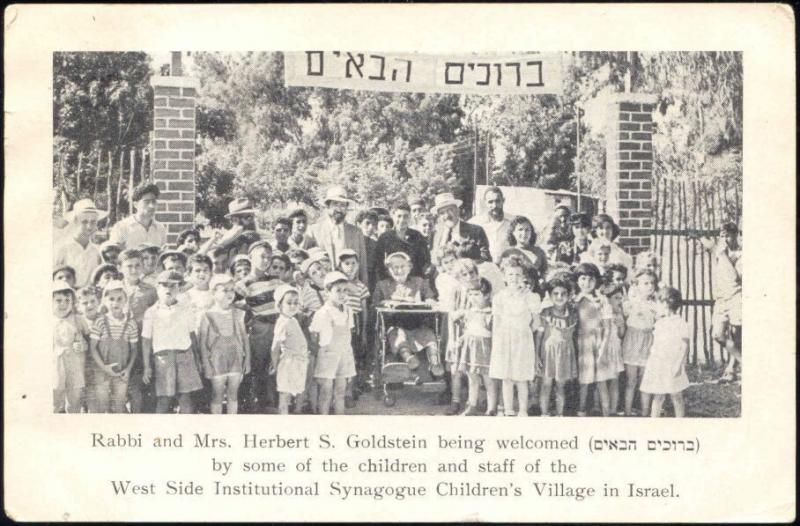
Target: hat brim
[
  {"x": 324, "y": 200},
  {"x": 72, "y": 214},
  {"x": 245, "y": 212},
  {"x": 435, "y": 209}
]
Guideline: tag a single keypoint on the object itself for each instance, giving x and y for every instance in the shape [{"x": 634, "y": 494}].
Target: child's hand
[
  {"x": 77, "y": 346},
  {"x": 146, "y": 375},
  {"x": 246, "y": 370}
]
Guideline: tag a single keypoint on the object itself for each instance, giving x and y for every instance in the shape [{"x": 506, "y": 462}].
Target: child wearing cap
[
  {"x": 173, "y": 261},
  {"x": 289, "y": 350},
  {"x": 357, "y": 297},
  {"x": 113, "y": 345},
  {"x": 104, "y": 274},
  {"x": 70, "y": 335},
  {"x": 331, "y": 326},
  {"x": 141, "y": 296},
  {"x": 168, "y": 334},
  {"x": 312, "y": 297},
  {"x": 408, "y": 337},
  {"x": 110, "y": 252},
  {"x": 224, "y": 345}
]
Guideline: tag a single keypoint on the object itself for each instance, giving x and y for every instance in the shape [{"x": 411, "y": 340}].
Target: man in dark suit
[{"x": 452, "y": 229}]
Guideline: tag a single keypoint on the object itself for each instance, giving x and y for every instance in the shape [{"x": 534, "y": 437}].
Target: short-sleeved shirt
[
  {"x": 130, "y": 233},
  {"x": 356, "y": 292},
  {"x": 169, "y": 326},
  {"x": 326, "y": 318},
  {"x": 124, "y": 329},
  {"x": 311, "y": 298},
  {"x": 83, "y": 260},
  {"x": 289, "y": 337},
  {"x": 727, "y": 281},
  {"x": 414, "y": 290},
  {"x": 140, "y": 298}
]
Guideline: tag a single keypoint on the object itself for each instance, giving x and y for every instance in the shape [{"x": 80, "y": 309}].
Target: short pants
[
  {"x": 334, "y": 363},
  {"x": 176, "y": 372}
]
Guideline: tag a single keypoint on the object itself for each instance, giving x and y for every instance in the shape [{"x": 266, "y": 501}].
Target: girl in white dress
[
  {"x": 665, "y": 373},
  {"x": 515, "y": 315}
]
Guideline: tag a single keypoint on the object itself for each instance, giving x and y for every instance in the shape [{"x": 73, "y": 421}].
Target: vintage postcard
[{"x": 303, "y": 263}]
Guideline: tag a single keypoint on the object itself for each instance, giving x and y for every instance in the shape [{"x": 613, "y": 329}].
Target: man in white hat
[
  {"x": 79, "y": 252},
  {"x": 451, "y": 229},
  {"x": 495, "y": 222},
  {"x": 242, "y": 233},
  {"x": 142, "y": 226},
  {"x": 334, "y": 234}
]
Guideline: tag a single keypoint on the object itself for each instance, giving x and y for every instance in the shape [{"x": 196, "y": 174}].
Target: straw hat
[
  {"x": 85, "y": 206},
  {"x": 240, "y": 206},
  {"x": 336, "y": 193},
  {"x": 444, "y": 199}
]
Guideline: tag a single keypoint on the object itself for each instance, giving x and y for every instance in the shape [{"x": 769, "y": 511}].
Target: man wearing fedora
[
  {"x": 452, "y": 229},
  {"x": 79, "y": 252},
  {"x": 333, "y": 234},
  {"x": 242, "y": 233},
  {"x": 142, "y": 226},
  {"x": 495, "y": 222}
]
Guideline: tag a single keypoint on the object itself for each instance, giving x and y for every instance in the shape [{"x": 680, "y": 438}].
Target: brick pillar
[
  {"x": 173, "y": 151},
  {"x": 629, "y": 168}
]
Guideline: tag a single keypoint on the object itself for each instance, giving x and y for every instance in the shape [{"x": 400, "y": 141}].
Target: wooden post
[
  {"x": 131, "y": 181},
  {"x": 78, "y": 177}
]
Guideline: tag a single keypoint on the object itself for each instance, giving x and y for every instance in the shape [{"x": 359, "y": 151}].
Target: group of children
[{"x": 156, "y": 331}]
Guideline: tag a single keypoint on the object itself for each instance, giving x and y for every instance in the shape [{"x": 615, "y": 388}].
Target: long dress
[{"x": 515, "y": 317}]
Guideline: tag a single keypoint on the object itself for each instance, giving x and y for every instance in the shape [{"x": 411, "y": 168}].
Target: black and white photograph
[{"x": 369, "y": 233}]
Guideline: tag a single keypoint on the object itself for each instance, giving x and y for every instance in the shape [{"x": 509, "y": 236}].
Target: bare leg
[
  {"x": 474, "y": 389},
  {"x": 583, "y": 394},
  {"x": 631, "y": 379},
  {"x": 283, "y": 403},
  {"x": 522, "y": 398},
  {"x": 162, "y": 404},
  {"x": 491, "y": 394},
  {"x": 602, "y": 389},
  {"x": 233, "y": 394},
  {"x": 613, "y": 395},
  {"x": 74, "y": 400},
  {"x": 677, "y": 403},
  {"x": 560, "y": 398},
  {"x": 325, "y": 395},
  {"x": 185, "y": 404},
  {"x": 455, "y": 386},
  {"x": 101, "y": 401},
  {"x": 645, "y": 399},
  {"x": 544, "y": 396},
  {"x": 508, "y": 397},
  {"x": 658, "y": 402},
  {"x": 217, "y": 395},
  {"x": 339, "y": 388}
]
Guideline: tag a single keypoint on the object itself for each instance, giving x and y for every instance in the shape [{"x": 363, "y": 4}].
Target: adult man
[
  {"x": 142, "y": 226},
  {"x": 299, "y": 238},
  {"x": 402, "y": 239},
  {"x": 242, "y": 232},
  {"x": 417, "y": 207},
  {"x": 334, "y": 234},
  {"x": 79, "y": 252},
  {"x": 452, "y": 229},
  {"x": 495, "y": 222}
]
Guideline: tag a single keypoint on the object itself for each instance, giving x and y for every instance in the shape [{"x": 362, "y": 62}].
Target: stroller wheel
[{"x": 389, "y": 401}]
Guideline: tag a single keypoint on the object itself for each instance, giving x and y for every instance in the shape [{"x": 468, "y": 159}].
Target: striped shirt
[
  {"x": 356, "y": 292},
  {"x": 124, "y": 329}
]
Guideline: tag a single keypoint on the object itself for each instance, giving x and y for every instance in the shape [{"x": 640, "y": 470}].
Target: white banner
[{"x": 530, "y": 74}]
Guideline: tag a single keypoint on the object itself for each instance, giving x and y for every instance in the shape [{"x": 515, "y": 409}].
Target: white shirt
[
  {"x": 130, "y": 233},
  {"x": 496, "y": 232},
  {"x": 83, "y": 260},
  {"x": 169, "y": 327},
  {"x": 324, "y": 320}
]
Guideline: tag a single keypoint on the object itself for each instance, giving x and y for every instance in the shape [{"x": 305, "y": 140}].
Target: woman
[{"x": 522, "y": 240}]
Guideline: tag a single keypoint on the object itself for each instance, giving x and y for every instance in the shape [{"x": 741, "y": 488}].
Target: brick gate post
[
  {"x": 629, "y": 168},
  {"x": 173, "y": 150}
]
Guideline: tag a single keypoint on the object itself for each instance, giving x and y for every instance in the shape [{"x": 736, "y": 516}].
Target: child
[
  {"x": 113, "y": 346},
  {"x": 616, "y": 276},
  {"x": 409, "y": 337},
  {"x": 241, "y": 267},
  {"x": 219, "y": 256},
  {"x": 367, "y": 221},
  {"x": 149, "y": 263},
  {"x": 665, "y": 373},
  {"x": 224, "y": 346},
  {"x": 104, "y": 274},
  {"x": 296, "y": 257},
  {"x": 454, "y": 301},
  {"x": 110, "y": 252},
  {"x": 70, "y": 335},
  {"x": 200, "y": 295},
  {"x": 515, "y": 312},
  {"x": 141, "y": 296},
  {"x": 289, "y": 350},
  {"x": 312, "y": 297},
  {"x": 357, "y": 297},
  {"x": 173, "y": 260},
  {"x": 605, "y": 232},
  {"x": 65, "y": 273},
  {"x": 555, "y": 342},
  {"x": 298, "y": 239},
  {"x": 168, "y": 334},
  {"x": 384, "y": 224},
  {"x": 280, "y": 267},
  {"x": 189, "y": 241},
  {"x": 476, "y": 347},
  {"x": 640, "y": 318},
  {"x": 88, "y": 301},
  {"x": 331, "y": 326},
  {"x": 612, "y": 364},
  {"x": 594, "y": 325},
  {"x": 600, "y": 254}
]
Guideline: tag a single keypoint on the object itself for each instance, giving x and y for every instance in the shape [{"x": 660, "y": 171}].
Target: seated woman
[
  {"x": 522, "y": 240},
  {"x": 408, "y": 335}
]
